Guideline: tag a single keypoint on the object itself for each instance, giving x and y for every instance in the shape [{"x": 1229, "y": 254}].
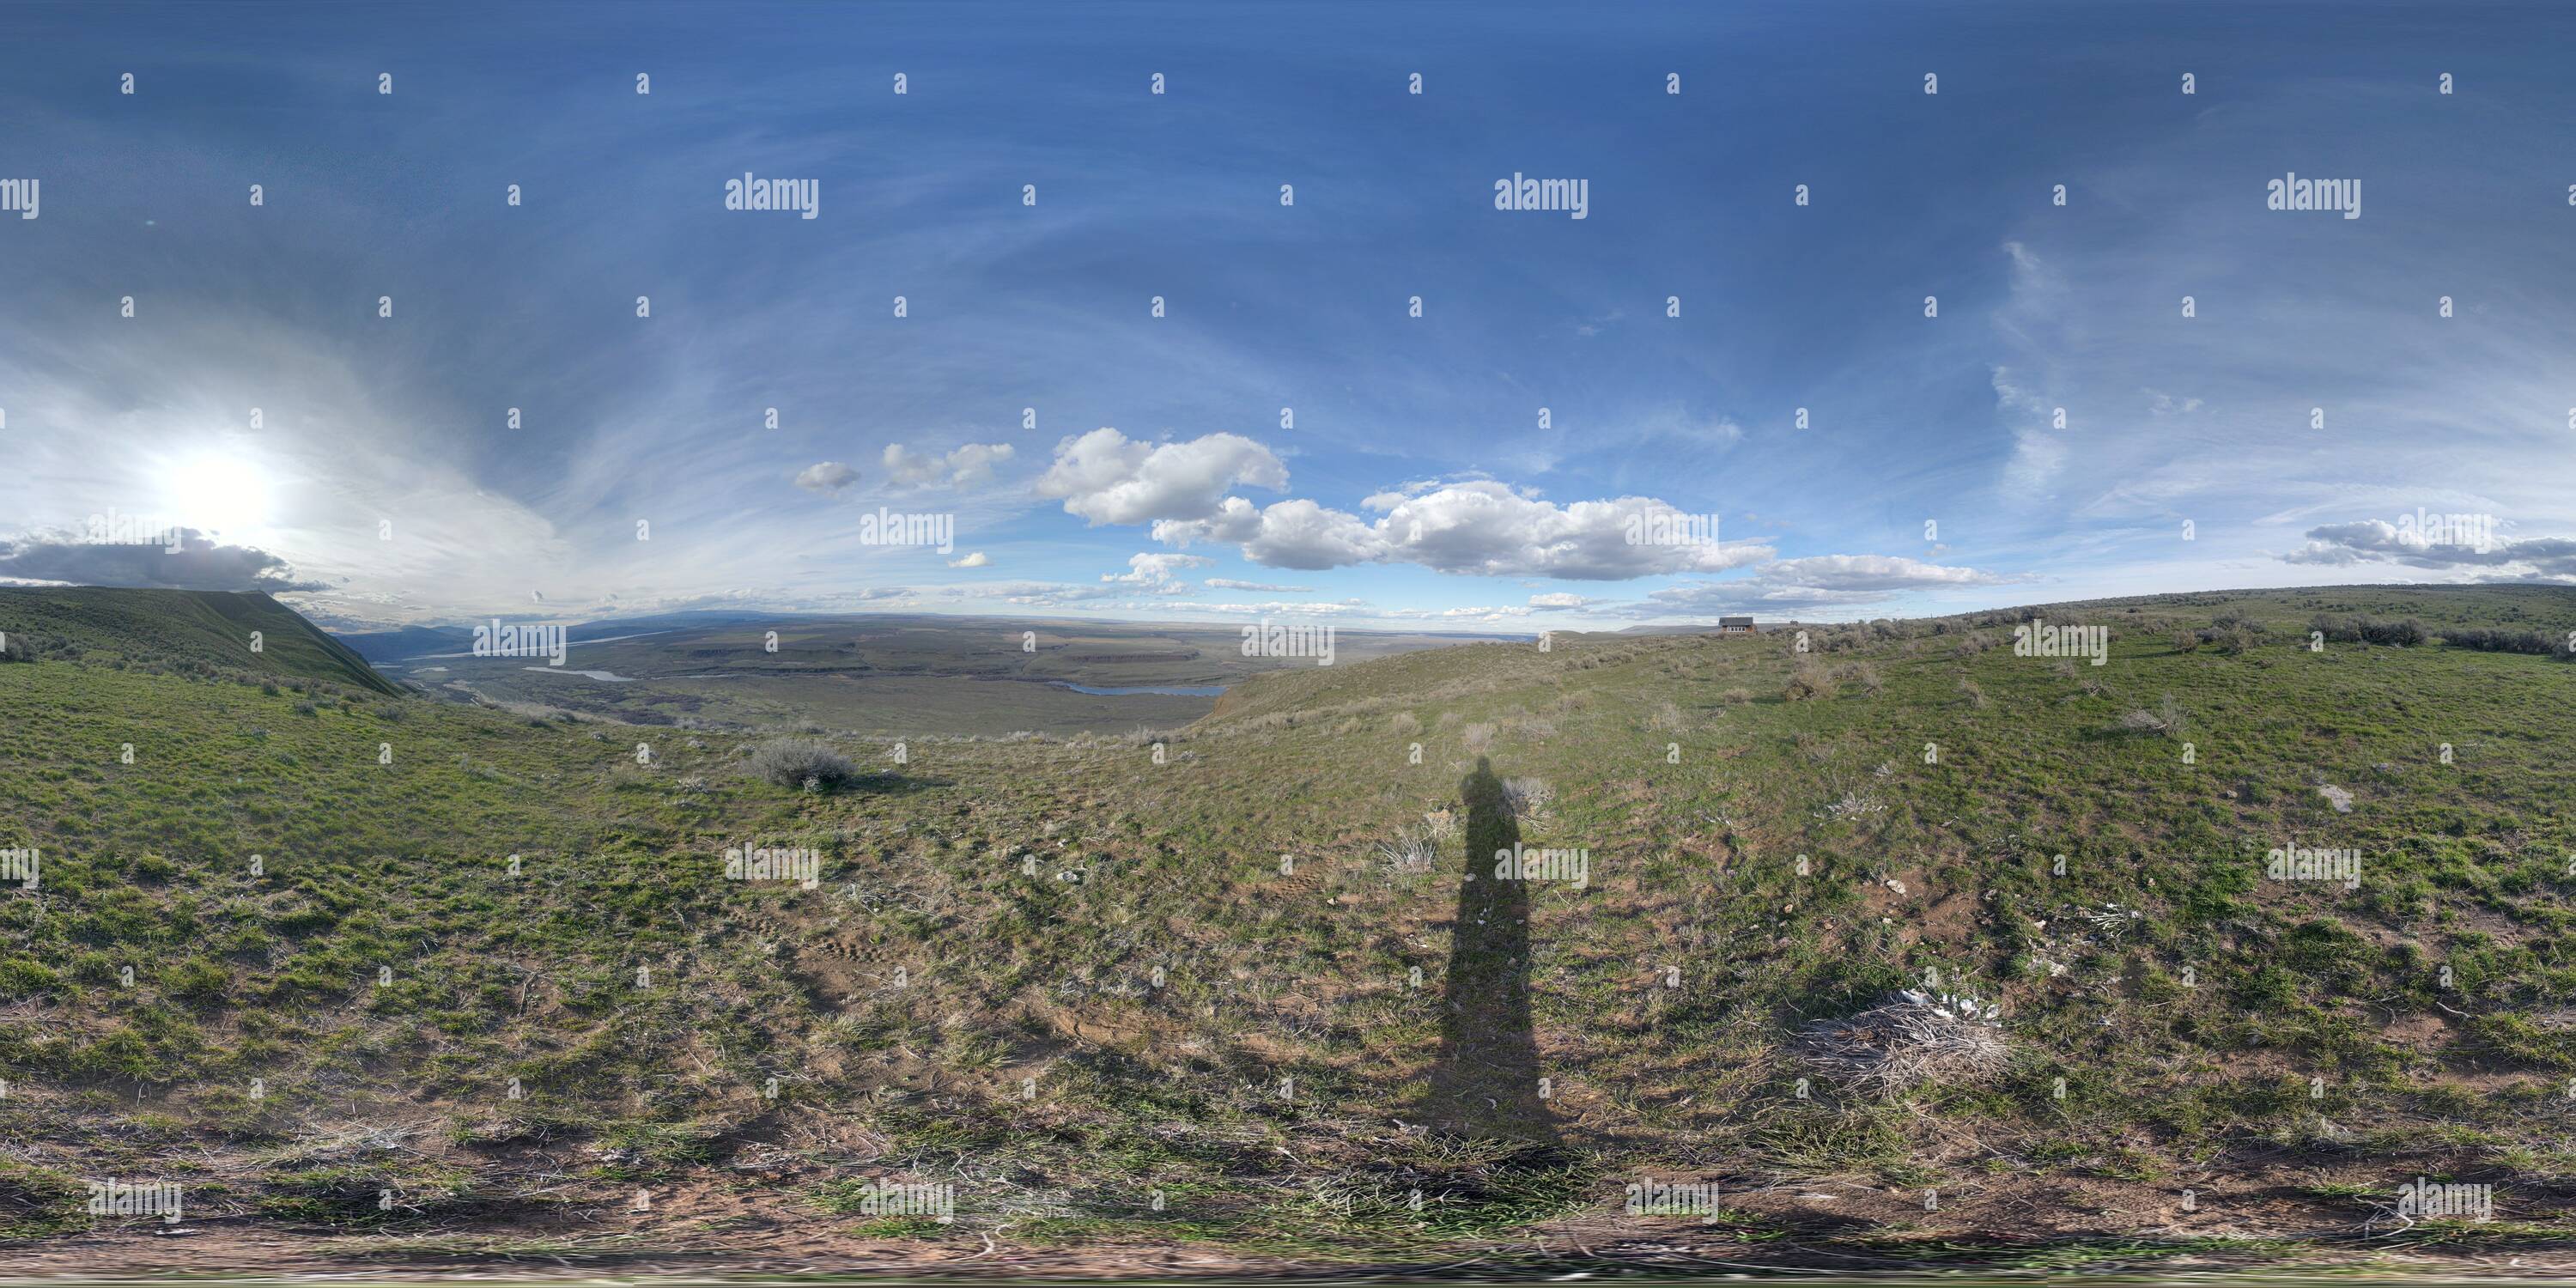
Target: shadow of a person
[{"x": 1486, "y": 1080}]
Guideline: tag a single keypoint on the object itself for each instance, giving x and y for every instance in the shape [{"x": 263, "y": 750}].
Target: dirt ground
[{"x": 2014, "y": 1229}]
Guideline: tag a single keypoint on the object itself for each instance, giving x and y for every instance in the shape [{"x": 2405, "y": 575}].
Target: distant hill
[
  {"x": 407, "y": 641},
  {"x": 180, "y": 629},
  {"x": 1698, "y": 628},
  {"x": 423, "y": 641}
]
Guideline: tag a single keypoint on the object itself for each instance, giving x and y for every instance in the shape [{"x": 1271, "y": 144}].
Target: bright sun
[{"x": 223, "y": 494}]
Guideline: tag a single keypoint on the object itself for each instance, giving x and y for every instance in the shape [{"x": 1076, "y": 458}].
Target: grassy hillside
[
  {"x": 193, "y": 631},
  {"x": 1229, "y": 986}
]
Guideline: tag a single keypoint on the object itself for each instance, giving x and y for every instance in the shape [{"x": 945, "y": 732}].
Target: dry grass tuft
[
  {"x": 1529, "y": 799},
  {"x": 1908, "y": 1040}
]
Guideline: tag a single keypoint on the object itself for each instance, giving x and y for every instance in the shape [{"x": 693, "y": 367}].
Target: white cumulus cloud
[
  {"x": 1478, "y": 528},
  {"x": 1106, "y": 477},
  {"x": 1156, "y": 572},
  {"x": 826, "y": 477}
]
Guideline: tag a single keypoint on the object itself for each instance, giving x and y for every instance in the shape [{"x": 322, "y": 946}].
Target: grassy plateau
[{"x": 2266, "y": 921}]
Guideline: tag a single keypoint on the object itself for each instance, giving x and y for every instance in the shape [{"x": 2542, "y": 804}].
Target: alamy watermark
[
  {"x": 1669, "y": 528},
  {"x": 533, "y": 639},
  {"x": 1299, "y": 639},
  {"x": 2290, "y": 192},
  {"x": 1572, "y": 196},
  {"x": 112, "y": 1197},
  {"x": 883, "y": 1198},
  {"x": 2475, "y": 531},
  {"x": 2423, "y": 1198},
  {"x": 754, "y": 863},
  {"x": 20, "y": 864},
  {"x": 803, "y": 196},
  {"x": 1523, "y": 863},
  {"x": 2295, "y": 862},
  {"x": 116, "y": 529},
  {"x": 2038, "y": 638},
  {"x": 887, "y": 528},
  {"x": 1672, "y": 1198},
  {"x": 19, "y": 195}
]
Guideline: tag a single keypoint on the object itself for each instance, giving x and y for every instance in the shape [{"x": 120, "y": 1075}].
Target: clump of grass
[
  {"x": 1529, "y": 799},
  {"x": 1862, "y": 674},
  {"x": 1440, "y": 825},
  {"x": 35, "y": 1202},
  {"x": 1808, "y": 681},
  {"x": 2234, "y": 638},
  {"x": 2536, "y": 643},
  {"x": 2166, "y": 720},
  {"x": 800, "y": 765},
  {"x": 1909, "y": 1040},
  {"x": 1408, "y": 854},
  {"x": 1450, "y": 1187},
  {"x": 2362, "y": 628},
  {"x": 1855, "y": 803}
]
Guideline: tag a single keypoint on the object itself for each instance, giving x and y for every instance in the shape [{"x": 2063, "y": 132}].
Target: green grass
[
  {"x": 199, "y": 632},
  {"x": 948, "y": 1008}
]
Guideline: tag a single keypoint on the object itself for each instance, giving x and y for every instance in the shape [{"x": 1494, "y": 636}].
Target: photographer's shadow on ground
[{"x": 1486, "y": 1080}]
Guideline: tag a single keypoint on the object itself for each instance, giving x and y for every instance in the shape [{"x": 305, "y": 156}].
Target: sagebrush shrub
[{"x": 800, "y": 764}]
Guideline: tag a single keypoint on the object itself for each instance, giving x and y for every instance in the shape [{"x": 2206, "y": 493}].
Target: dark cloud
[
  {"x": 2450, "y": 544},
  {"x": 197, "y": 564},
  {"x": 1817, "y": 583}
]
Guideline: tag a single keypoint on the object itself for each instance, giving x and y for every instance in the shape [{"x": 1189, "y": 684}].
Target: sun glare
[{"x": 219, "y": 494}]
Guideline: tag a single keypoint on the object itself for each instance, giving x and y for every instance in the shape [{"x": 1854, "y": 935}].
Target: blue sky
[{"x": 1418, "y": 483}]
